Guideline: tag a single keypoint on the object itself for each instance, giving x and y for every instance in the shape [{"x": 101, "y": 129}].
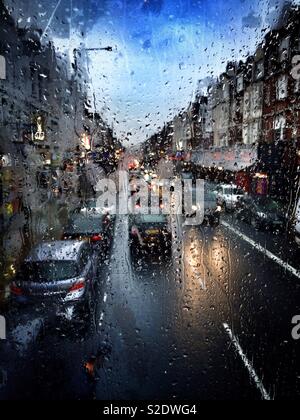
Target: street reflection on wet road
[{"x": 190, "y": 325}]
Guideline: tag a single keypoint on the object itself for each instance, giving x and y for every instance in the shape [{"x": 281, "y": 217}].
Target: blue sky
[{"x": 163, "y": 48}]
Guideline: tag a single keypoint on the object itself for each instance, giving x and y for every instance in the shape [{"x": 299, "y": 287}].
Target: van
[{"x": 229, "y": 195}]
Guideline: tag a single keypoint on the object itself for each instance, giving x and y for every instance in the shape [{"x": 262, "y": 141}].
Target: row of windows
[
  {"x": 281, "y": 88},
  {"x": 259, "y": 67}
]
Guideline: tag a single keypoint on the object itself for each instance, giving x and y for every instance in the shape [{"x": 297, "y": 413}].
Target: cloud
[
  {"x": 147, "y": 44},
  {"x": 252, "y": 21},
  {"x": 163, "y": 49}
]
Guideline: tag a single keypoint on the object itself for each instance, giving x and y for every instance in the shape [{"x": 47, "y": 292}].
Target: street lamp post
[
  {"x": 95, "y": 49},
  {"x": 109, "y": 49},
  {"x": 76, "y": 51}
]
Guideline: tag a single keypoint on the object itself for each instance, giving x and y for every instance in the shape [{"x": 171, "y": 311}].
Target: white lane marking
[
  {"x": 105, "y": 297},
  {"x": 247, "y": 364},
  {"x": 263, "y": 250}
]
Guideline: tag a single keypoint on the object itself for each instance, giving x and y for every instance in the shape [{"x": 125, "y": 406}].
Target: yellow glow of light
[
  {"x": 86, "y": 142},
  {"x": 261, "y": 176}
]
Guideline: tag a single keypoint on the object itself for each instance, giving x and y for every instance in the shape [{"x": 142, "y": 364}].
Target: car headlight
[{"x": 262, "y": 215}]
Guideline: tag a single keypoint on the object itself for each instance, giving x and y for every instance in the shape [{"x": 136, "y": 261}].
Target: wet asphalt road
[{"x": 211, "y": 322}]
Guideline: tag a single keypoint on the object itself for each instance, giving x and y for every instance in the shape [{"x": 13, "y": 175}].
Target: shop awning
[{"x": 233, "y": 159}]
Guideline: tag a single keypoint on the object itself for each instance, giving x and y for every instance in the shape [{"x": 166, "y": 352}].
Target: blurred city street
[
  {"x": 149, "y": 201},
  {"x": 169, "y": 328}
]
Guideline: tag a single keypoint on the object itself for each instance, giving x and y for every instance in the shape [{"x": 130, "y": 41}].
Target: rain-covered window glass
[{"x": 149, "y": 201}]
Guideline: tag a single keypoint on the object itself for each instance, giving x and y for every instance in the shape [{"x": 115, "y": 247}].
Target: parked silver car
[{"x": 61, "y": 273}]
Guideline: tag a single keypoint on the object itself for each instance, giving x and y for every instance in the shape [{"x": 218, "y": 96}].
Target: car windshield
[
  {"x": 233, "y": 191},
  {"x": 268, "y": 204},
  {"x": 82, "y": 224},
  {"x": 151, "y": 219},
  {"x": 210, "y": 196},
  {"x": 48, "y": 271}
]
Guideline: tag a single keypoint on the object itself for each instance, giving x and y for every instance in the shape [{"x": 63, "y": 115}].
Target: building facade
[
  {"x": 42, "y": 112},
  {"x": 48, "y": 130},
  {"x": 256, "y": 105}
]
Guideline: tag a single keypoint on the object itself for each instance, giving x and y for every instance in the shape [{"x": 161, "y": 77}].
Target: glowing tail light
[{"x": 97, "y": 238}]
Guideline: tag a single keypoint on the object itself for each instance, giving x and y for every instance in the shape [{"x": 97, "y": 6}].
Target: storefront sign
[
  {"x": 235, "y": 159},
  {"x": 261, "y": 184},
  {"x": 40, "y": 134},
  {"x": 39, "y": 131}
]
